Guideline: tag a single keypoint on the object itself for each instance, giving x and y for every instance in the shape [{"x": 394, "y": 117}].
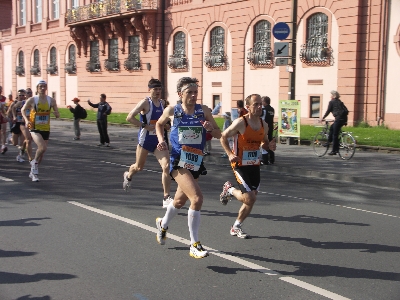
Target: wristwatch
[{"x": 144, "y": 125}]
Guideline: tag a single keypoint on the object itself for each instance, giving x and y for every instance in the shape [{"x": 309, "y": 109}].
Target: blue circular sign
[{"x": 281, "y": 31}]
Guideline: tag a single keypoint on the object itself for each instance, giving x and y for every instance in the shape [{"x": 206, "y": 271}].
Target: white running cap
[{"x": 41, "y": 81}]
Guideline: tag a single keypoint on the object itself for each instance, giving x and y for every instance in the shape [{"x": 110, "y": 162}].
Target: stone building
[{"x": 84, "y": 48}]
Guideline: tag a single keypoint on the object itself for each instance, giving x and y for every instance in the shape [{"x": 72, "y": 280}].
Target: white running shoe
[
  {"x": 19, "y": 158},
  {"x": 225, "y": 196},
  {"x": 167, "y": 201},
  {"x": 126, "y": 185},
  {"x": 34, "y": 167},
  {"x": 197, "y": 251},
  {"x": 161, "y": 233},
  {"x": 238, "y": 231},
  {"x": 34, "y": 177}
]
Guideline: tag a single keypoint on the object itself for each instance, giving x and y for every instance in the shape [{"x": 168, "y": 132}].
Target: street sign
[
  {"x": 281, "y": 61},
  {"x": 281, "y": 31},
  {"x": 281, "y": 49}
]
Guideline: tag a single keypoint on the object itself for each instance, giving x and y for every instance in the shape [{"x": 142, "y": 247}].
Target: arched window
[
  {"x": 70, "y": 67},
  {"x": 216, "y": 58},
  {"x": 20, "y": 70},
  {"x": 178, "y": 59},
  {"x": 35, "y": 69},
  {"x": 261, "y": 54},
  {"x": 133, "y": 61},
  {"x": 316, "y": 50},
  {"x": 52, "y": 67}
]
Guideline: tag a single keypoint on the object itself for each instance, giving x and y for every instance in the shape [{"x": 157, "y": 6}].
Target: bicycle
[{"x": 347, "y": 143}]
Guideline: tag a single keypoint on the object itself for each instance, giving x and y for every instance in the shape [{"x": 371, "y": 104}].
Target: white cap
[{"x": 41, "y": 81}]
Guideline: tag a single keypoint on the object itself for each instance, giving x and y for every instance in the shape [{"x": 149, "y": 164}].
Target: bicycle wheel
[
  {"x": 320, "y": 144},
  {"x": 347, "y": 146}
]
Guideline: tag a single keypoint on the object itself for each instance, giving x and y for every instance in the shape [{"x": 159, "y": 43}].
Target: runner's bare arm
[
  {"x": 142, "y": 106},
  {"x": 28, "y": 105},
  {"x": 236, "y": 127},
  {"x": 210, "y": 125},
  {"x": 55, "y": 108},
  {"x": 165, "y": 117}
]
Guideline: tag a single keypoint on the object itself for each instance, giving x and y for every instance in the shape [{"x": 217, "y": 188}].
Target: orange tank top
[{"x": 247, "y": 145}]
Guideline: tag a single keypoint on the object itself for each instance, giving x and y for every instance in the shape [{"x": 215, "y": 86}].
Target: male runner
[
  {"x": 249, "y": 132},
  {"x": 39, "y": 123}
]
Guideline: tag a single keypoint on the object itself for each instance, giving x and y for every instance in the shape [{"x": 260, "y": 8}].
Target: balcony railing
[
  {"x": 70, "y": 68},
  {"x": 111, "y": 64},
  {"x": 107, "y": 8},
  {"x": 316, "y": 56},
  {"x": 52, "y": 69},
  {"x": 177, "y": 62},
  {"x": 93, "y": 66},
  {"x": 20, "y": 70},
  {"x": 132, "y": 65},
  {"x": 35, "y": 70},
  {"x": 260, "y": 58}
]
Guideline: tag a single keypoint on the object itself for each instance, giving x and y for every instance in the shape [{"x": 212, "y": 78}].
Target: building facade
[{"x": 84, "y": 48}]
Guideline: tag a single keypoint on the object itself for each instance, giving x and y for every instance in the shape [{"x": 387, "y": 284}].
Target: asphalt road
[{"x": 77, "y": 235}]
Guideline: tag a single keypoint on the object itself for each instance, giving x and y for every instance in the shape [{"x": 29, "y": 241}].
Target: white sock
[
  {"x": 194, "y": 224},
  {"x": 237, "y": 224},
  {"x": 230, "y": 190},
  {"x": 171, "y": 212}
]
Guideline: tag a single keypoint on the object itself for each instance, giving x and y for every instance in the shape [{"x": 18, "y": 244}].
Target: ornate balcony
[
  {"x": 316, "y": 55},
  {"x": 111, "y": 64},
  {"x": 70, "y": 68},
  {"x": 106, "y": 8},
  {"x": 260, "y": 58},
  {"x": 132, "y": 65},
  {"x": 35, "y": 70},
  {"x": 216, "y": 59},
  {"x": 178, "y": 62},
  {"x": 20, "y": 71},
  {"x": 93, "y": 66},
  {"x": 52, "y": 69}
]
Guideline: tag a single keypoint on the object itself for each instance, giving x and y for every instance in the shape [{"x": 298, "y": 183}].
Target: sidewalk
[{"x": 368, "y": 167}]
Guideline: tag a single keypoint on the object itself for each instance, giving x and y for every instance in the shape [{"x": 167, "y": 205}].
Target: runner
[
  {"x": 150, "y": 109},
  {"x": 249, "y": 132},
  {"x": 17, "y": 135},
  {"x": 39, "y": 123},
  {"x": 188, "y": 136},
  {"x": 3, "y": 122}
]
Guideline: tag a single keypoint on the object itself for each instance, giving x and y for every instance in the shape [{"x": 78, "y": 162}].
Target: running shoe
[
  {"x": 34, "y": 177},
  {"x": 225, "y": 196},
  {"x": 4, "y": 150},
  {"x": 161, "y": 233},
  {"x": 197, "y": 251},
  {"x": 34, "y": 167},
  {"x": 19, "y": 158},
  {"x": 238, "y": 231},
  {"x": 126, "y": 185},
  {"x": 167, "y": 201}
]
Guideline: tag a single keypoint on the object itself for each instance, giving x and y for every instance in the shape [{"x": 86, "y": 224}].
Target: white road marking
[
  {"x": 240, "y": 261},
  {"x": 5, "y": 178}
]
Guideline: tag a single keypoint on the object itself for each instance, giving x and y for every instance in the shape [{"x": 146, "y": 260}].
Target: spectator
[
  {"x": 268, "y": 156},
  {"x": 240, "y": 106},
  {"x": 77, "y": 111},
  {"x": 103, "y": 109}
]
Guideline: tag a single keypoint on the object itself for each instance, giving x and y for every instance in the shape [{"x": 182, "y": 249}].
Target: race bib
[
  {"x": 190, "y": 135},
  {"x": 191, "y": 158},
  {"x": 42, "y": 119},
  {"x": 153, "y": 132},
  {"x": 250, "y": 157},
  {"x": 20, "y": 119}
]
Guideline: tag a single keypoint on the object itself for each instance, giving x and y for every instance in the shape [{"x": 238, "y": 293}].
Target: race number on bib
[
  {"x": 251, "y": 157},
  {"x": 191, "y": 158},
  {"x": 42, "y": 119},
  {"x": 153, "y": 132}
]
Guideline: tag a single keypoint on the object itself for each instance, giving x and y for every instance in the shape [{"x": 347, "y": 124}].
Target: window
[
  {"x": 178, "y": 59},
  {"x": 35, "y": 70},
  {"x": 112, "y": 63},
  {"x": 216, "y": 100},
  {"x": 52, "y": 67},
  {"x": 315, "y": 104},
  {"x": 74, "y": 3},
  {"x": 216, "y": 58},
  {"x": 20, "y": 70},
  {"x": 133, "y": 61},
  {"x": 22, "y": 12},
  {"x": 93, "y": 65},
  {"x": 38, "y": 11},
  {"x": 70, "y": 67},
  {"x": 56, "y": 9},
  {"x": 261, "y": 53},
  {"x": 316, "y": 50}
]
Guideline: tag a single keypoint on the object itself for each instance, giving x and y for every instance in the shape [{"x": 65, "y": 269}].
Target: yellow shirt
[{"x": 40, "y": 115}]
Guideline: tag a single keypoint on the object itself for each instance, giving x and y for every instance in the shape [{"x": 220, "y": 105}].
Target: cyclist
[{"x": 335, "y": 107}]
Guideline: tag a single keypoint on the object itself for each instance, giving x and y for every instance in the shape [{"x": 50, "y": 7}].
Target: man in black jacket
[
  {"x": 268, "y": 157},
  {"x": 103, "y": 109},
  {"x": 335, "y": 107}
]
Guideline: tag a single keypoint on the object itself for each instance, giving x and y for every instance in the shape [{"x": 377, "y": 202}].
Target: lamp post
[{"x": 292, "y": 77}]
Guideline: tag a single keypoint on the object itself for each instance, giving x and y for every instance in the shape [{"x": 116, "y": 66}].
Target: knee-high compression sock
[
  {"x": 171, "y": 212},
  {"x": 194, "y": 224}
]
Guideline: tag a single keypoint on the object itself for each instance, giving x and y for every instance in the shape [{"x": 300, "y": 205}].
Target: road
[{"x": 77, "y": 235}]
